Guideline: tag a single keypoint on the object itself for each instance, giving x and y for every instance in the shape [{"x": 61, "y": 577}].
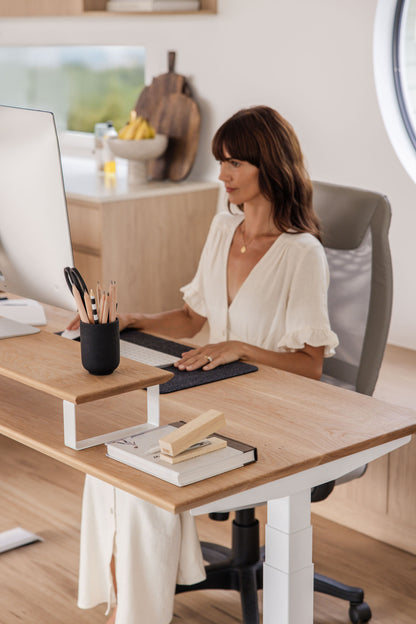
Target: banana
[
  {"x": 145, "y": 131},
  {"x": 128, "y": 131},
  {"x": 122, "y": 133},
  {"x": 137, "y": 128},
  {"x": 132, "y": 129},
  {"x": 142, "y": 131}
]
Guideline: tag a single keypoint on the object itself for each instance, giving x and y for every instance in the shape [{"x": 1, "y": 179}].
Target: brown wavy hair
[{"x": 262, "y": 137}]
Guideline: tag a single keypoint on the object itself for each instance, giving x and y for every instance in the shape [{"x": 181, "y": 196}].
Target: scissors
[
  {"x": 74, "y": 278},
  {"x": 77, "y": 286}
]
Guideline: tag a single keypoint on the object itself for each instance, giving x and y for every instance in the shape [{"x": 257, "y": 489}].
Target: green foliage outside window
[{"x": 82, "y": 85}]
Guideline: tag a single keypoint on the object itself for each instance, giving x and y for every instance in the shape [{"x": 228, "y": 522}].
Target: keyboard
[{"x": 146, "y": 355}]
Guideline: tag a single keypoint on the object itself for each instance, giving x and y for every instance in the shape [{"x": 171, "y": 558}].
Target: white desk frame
[
  {"x": 70, "y": 423},
  {"x": 288, "y": 567}
]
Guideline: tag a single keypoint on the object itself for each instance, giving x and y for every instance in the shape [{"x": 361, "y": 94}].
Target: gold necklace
[{"x": 244, "y": 246}]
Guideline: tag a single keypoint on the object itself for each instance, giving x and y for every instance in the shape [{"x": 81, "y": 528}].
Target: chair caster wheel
[{"x": 360, "y": 613}]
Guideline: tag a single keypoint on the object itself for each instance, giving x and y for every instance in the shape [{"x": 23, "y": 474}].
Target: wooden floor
[{"x": 38, "y": 582}]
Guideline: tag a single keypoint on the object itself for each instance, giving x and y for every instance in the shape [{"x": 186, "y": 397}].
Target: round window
[
  {"x": 404, "y": 63},
  {"x": 394, "y": 55}
]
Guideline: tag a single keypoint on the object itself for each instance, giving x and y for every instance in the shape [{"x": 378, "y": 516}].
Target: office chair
[{"x": 355, "y": 225}]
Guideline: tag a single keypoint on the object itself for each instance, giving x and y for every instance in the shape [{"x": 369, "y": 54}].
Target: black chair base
[
  {"x": 359, "y": 611},
  {"x": 241, "y": 569}
]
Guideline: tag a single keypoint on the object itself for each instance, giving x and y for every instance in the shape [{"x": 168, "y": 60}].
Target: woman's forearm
[
  {"x": 307, "y": 362},
  {"x": 180, "y": 323}
]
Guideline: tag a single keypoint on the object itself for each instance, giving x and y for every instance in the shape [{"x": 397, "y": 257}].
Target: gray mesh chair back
[
  {"x": 355, "y": 225},
  {"x": 355, "y": 228}
]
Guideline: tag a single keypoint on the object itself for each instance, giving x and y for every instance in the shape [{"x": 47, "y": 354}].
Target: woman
[{"x": 262, "y": 286}]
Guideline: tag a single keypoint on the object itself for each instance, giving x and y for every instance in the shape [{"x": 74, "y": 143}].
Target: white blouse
[{"x": 280, "y": 306}]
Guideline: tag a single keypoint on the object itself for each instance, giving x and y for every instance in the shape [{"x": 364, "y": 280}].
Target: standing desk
[{"x": 306, "y": 433}]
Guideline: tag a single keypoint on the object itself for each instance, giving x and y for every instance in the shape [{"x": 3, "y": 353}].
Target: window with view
[{"x": 81, "y": 85}]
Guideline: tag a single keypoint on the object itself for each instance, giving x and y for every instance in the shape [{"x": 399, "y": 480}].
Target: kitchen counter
[{"x": 84, "y": 183}]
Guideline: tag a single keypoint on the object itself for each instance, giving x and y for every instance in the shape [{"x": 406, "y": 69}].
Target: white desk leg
[{"x": 288, "y": 568}]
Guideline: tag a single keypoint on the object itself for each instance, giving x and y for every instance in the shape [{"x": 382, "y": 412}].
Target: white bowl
[{"x": 140, "y": 149}]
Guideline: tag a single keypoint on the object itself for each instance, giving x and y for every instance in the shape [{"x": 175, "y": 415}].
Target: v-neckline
[{"x": 252, "y": 269}]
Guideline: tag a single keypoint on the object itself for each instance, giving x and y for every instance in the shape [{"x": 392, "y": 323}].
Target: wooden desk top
[
  {"x": 58, "y": 370},
  {"x": 295, "y": 423}
]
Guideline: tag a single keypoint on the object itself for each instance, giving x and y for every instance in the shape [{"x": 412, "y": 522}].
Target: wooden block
[
  {"x": 194, "y": 431},
  {"x": 214, "y": 445}
]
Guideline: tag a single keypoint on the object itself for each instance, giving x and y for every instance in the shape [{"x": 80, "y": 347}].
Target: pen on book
[{"x": 156, "y": 449}]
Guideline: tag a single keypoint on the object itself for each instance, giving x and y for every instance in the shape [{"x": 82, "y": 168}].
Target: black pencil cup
[{"x": 100, "y": 347}]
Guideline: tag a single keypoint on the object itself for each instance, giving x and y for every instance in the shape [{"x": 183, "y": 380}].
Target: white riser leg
[{"x": 70, "y": 424}]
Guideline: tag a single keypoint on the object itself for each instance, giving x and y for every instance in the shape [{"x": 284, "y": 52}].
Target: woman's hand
[
  {"x": 74, "y": 324},
  {"x": 210, "y": 356},
  {"x": 124, "y": 320}
]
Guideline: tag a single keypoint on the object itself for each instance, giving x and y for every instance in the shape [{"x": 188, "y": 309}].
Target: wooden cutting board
[
  {"x": 177, "y": 116},
  {"x": 167, "y": 103},
  {"x": 160, "y": 87}
]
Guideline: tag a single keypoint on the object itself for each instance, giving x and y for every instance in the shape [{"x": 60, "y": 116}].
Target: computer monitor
[{"x": 35, "y": 241}]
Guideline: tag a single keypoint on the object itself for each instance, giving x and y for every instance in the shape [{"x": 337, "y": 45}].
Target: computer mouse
[{"x": 72, "y": 334}]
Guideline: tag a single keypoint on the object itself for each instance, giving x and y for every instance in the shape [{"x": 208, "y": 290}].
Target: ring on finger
[{"x": 209, "y": 358}]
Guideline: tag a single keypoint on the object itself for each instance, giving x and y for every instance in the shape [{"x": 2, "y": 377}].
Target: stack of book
[
  {"x": 207, "y": 458},
  {"x": 152, "y": 5}
]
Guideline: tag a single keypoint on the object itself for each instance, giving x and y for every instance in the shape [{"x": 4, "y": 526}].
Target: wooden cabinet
[
  {"x": 28, "y": 8},
  {"x": 382, "y": 504},
  {"x": 149, "y": 243}
]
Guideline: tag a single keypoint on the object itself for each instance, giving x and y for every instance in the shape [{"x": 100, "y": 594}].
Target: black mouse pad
[{"x": 185, "y": 379}]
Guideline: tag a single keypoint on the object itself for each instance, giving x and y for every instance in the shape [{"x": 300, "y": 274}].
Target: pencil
[
  {"x": 99, "y": 293},
  {"x": 112, "y": 302},
  {"x": 100, "y": 308},
  {"x": 88, "y": 306},
  {"x": 104, "y": 311},
  {"x": 115, "y": 300},
  {"x": 94, "y": 307},
  {"x": 80, "y": 305}
]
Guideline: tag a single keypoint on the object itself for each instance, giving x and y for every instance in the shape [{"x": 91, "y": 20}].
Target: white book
[
  {"x": 153, "y": 5},
  {"x": 141, "y": 451},
  {"x": 14, "y": 538},
  {"x": 23, "y": 311}
]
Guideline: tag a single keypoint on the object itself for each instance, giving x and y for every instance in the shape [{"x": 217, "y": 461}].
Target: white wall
[{"x": 310, "y": 60}]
